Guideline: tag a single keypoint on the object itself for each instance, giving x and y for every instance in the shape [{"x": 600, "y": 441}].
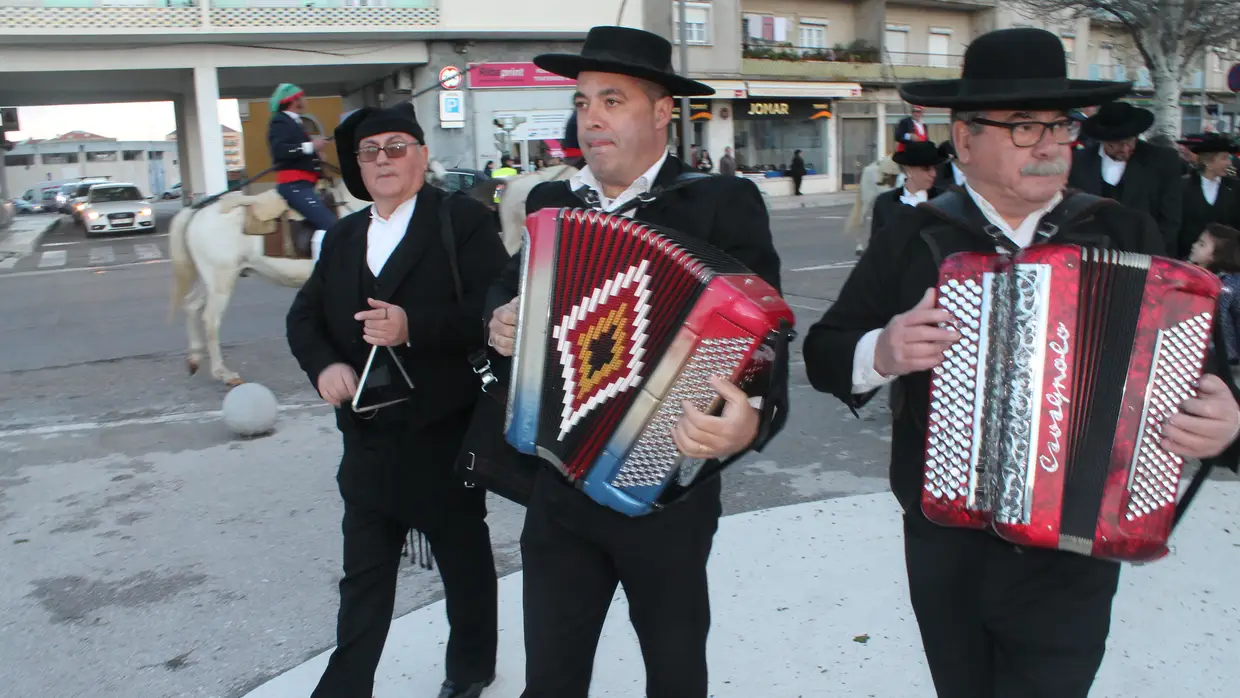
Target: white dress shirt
[
  {"x": 913, "y": 199},
  {"x": 1112, "y": 170},
  {"x": 385, "y": 234},
  {"x": 639, "y": 186},
  {"x": 864, "y": 377},
  {"x": 958, "y": 175},
  {"x": 1209, "y": 189},
  {"x": 306, "y": 147}
]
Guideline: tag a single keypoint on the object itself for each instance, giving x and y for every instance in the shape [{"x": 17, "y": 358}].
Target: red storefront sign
[{"x": 483, "y": 76}]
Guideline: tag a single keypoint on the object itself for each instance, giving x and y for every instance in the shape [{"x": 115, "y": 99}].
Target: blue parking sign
[{"x": 452, "y": 109}]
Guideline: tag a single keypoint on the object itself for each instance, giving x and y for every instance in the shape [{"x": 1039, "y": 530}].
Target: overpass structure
[{"x": 195, "y": 52}]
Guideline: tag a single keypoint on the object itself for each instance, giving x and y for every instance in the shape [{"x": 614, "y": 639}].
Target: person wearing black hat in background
[
  {"x": 574, "y": 551},
  {"x": 949, "y": 173},
  {"x": 919, "y": 160},
  {"x": 384, "y": 279},
  {"x": 1209, "y": 195},
  {"x": 1138, "y": 174},
  {"x": 996, "y": 619}
]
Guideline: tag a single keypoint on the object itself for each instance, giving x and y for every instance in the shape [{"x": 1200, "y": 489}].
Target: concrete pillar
[
  {"x": 189, "y": 145},
  {"x": 880, "y": 139},
  {"x": 833, "y": 148},
  {"x": 213, "y": 167},
  {"x": 720, "y": 132}
]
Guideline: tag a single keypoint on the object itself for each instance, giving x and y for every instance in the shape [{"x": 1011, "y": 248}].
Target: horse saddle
[{"x": 285, "y": 232}]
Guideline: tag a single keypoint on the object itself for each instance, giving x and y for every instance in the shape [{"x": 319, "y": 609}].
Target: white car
[{"x": 116, "y": 207}]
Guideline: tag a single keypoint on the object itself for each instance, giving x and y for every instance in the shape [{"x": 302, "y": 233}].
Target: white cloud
[{"x": 142, "y": 121}]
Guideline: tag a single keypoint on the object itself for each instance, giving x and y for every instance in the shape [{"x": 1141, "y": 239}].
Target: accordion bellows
[
  {"x": 619, "y": 324},
  {"x": 1045, "y": 419}
]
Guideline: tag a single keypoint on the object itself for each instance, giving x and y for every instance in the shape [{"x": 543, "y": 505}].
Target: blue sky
[{"x": 147, "y": 121}]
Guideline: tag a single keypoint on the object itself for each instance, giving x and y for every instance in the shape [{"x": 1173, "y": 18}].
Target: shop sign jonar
[{"x": 792, "y": 109}]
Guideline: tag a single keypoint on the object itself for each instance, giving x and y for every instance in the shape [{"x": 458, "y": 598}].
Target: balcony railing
[
  {"x": 72, "y": 17},
  {"x": 1141, "y": 76},
  {"x": 858, "y": 62}
]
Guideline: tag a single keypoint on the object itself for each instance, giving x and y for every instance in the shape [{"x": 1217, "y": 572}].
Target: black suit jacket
[
  {"x": 1149, "y": 183},
  {"x": 1198, "y": 213},
  {"x": 893, "y": 275},
  {"x": 885, "y": 206},
  {"x": 284, "y": 139},
  {"x": 381, "y": 452},
  {"x": 727, "y": 212}
]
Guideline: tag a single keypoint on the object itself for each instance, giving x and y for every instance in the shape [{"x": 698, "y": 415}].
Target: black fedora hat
[
  {"x": 624, "y": 51},
  {"x": 1117, "y": 121},
  {"x": 366, "y": 122},
  {"x": 1214, "y": 143},
  {"x": 1020, "y": 68},
  {"x": 919, "y": 154}
]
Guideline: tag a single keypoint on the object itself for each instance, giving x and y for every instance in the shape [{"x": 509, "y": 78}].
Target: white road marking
[
  {"x": 101, "y": 255},
  {"x": 208, "y": 415},
  {"x": 832, "y": 265},
  {"x": 61, "y": 244},
  {"x": 832, "y": 218},
  {"x": 147, "y": 250},
  {"x": 67, "y": 270},
  {"x": 53, "y": 258},
  {"x": 9, "y": 262},
  {"x": 806, "y": 307}
]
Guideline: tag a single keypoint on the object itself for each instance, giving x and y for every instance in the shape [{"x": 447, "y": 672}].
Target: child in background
[{"x": 1218, "y": 250}]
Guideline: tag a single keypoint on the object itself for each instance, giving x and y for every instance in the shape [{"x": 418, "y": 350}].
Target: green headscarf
[{"x": 283, "y": 92}]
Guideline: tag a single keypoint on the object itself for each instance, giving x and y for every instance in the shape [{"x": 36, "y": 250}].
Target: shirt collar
[
  {"x": 641, "y": 185},
  {"x": 1022, "y": 234},
  {"x": 402, "y": 212},
  {"x": 295, "y": 115}
]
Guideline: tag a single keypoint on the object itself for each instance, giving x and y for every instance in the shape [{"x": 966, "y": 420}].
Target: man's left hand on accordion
[{"x": 700, "y": 435}]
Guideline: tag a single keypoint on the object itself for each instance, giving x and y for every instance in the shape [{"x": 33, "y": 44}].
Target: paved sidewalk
[
  {"x": 810, "y": 600},
  {"x": 782, "y": 203},
  {"x": 23, "y": 235}
]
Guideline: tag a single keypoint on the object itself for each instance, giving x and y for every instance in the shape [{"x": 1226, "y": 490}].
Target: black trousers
[
  {"x": 461, "y": 546},
  {"x": 575, "y": 551},
  {"x": 999, "y": 621}
]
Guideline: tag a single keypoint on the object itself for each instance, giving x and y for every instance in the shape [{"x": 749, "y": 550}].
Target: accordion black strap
[
  {"x": 591, "y": 199},
  {"x": 477, "y": 352},
  {"x": 956, "y": 207}
]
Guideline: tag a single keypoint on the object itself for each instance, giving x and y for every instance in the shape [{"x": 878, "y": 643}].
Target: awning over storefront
[
  {"x": 728, "y": 89},
  {"x": 813, "y": 90}
]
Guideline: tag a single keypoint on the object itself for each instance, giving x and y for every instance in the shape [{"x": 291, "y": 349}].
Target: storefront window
[{"x": 769, "y": 132}]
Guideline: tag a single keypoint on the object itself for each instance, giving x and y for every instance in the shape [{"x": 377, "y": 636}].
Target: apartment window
[
  {"x": 896, "y": 38},
  {"x": 18, "y": 160},
  {"x": 697, "y": 23},
  {"x": 764, "y": 29},
  {"x": 1105, "y": 61},
  {"x": 938, "y": 45},
  {"x": 155, "y": 155},
  {"x": 60, "y": 158},
  {"x": 131, "y": 155},
  {"x": 1069, "y": 47},
  {"x": 101, "y": 157},
  {"x": 813, "y": 34}
]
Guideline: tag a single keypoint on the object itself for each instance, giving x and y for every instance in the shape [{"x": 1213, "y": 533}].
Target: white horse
[
  {"x": 210, "y": 250},
  {"x": 512, "y": 203}
]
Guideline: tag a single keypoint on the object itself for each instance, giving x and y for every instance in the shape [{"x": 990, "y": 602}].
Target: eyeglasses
[
  {"x": 1026, "y": 134},
  {"x": 394, "y": 150}
]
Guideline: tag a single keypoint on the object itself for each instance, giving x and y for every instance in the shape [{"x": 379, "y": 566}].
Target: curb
[
  {"x": 785, "y": 203},
  {"x": 22, "y": 243}
]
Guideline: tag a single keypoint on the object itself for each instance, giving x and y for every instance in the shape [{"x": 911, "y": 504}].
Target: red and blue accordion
[
  {"x": 1045, "y": 419},
  {"x": 619, "y": 324}
]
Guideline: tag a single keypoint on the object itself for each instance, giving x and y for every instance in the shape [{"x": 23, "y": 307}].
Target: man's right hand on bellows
[
  {"x": 319, "y": 143},
  {"x": 913, "y": 341},
  {"x": 503, "y": 328}
]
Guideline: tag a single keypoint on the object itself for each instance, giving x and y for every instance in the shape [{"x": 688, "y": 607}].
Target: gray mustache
[{"x": 1046, "y": 168}]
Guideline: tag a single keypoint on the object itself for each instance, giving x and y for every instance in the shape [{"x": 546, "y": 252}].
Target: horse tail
[{"x": 183, "y": 271}]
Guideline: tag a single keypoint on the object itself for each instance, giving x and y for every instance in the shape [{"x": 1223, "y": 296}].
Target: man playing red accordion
[
  {"x": 996, "y": 619},
  {"x": 575, "y": 551}
]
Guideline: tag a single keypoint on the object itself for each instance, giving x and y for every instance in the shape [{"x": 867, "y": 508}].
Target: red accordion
[
  {"x": 1045, "y": 418},
  {"x": 619, "y": 324}
]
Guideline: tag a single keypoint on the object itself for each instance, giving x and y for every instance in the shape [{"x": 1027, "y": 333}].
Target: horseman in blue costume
[{"x": 295, "y": 155}]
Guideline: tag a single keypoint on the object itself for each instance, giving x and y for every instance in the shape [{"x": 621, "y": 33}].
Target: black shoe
[{"x": 451, "y": 689}]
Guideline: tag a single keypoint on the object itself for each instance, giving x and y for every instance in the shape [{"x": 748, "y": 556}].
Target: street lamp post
[{"x": 684, "y": 101}]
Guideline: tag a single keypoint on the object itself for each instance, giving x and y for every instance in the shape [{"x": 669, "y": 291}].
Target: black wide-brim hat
[
  {"x": 624, "y": 51},
  {"x": 364, "y": 123},
  {"x": 1214, "y": 143},
  {"x": 919, "y": 154},
  {"x": 1117, "y": 121},
  {"x": 1022, "y": 68}
]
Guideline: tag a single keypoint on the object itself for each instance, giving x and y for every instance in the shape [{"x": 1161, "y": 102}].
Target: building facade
[{"x": 151, "y": 165}]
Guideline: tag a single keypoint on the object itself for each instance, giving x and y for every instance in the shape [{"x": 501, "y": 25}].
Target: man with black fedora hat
[
  {"x": 575, "y": 551},
  {"x": 997, "y": 620},
  {"x": 949, "y": 174},
  {"x": 1136, "y": 173},
  {"x": 919, "y": 161},
  {"x": 395, "y": 298}
]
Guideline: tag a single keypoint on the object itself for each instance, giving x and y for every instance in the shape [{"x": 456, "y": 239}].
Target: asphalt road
[{"x": 147, "y": 553}]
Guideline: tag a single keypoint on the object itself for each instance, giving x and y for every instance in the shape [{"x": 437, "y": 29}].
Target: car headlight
[
  {"x": 92, "y": 215},
  {"x": 144, "y": 212},
  {"x": 79, "y": 206}
]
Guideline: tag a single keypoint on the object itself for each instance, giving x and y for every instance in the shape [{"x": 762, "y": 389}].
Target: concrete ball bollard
[{"x": 250, "y": 410}]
